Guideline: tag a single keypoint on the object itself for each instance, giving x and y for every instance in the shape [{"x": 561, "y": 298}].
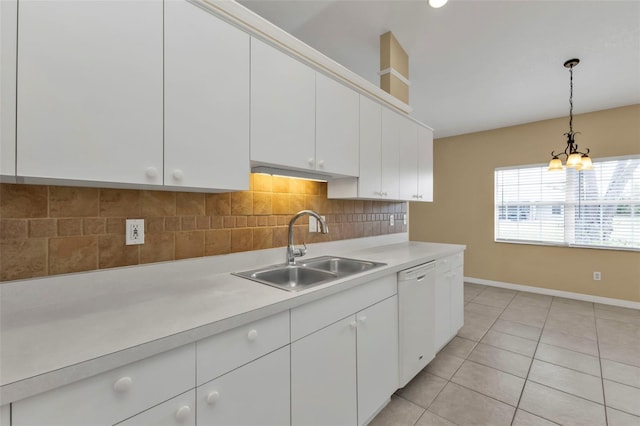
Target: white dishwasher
[{"x": 416, "y": 311}]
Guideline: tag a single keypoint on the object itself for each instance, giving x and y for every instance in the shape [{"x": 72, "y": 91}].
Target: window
[{"x": 597, "y": 208}]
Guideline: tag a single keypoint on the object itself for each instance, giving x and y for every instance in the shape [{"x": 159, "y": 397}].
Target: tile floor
[{"x": 528, "y": 359}]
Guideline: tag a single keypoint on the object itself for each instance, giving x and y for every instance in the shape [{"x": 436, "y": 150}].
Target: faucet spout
[{"x": 293, "y": 252}]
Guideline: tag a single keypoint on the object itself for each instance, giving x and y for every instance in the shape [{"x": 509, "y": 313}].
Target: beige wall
[{"x": 462, "y": 211}]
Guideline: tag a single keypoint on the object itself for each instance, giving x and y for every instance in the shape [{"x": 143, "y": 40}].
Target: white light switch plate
[{"x": 134, "y": 230}]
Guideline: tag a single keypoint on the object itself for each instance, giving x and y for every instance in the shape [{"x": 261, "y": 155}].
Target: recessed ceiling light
[{"x": 437, "y": 3}]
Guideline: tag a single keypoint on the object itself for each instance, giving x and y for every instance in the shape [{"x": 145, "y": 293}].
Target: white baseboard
[{"x": 559, "y": 293}]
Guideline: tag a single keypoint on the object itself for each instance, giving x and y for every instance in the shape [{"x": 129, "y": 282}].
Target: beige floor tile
[
  {"x": 444, "y": 365},
  {"x": 621, "y": 373},
  {"x": 472, "y": 331},
  {"x": 561, "y": 304},
  {"x": 423, "y": 389},
  {"x": 617, "y": 313},
  {"x": 622, "y": 397},
  {"x": 540, "y": 300},
  {"x": 499, "y": 298},
  {"x": 619, "y": 418},
  {"x": 490, "y": 382},
  {"x": 574, "y": 324},
  {"x": 459, "y": 347},
  {"x": 523, "y": 418},
  {"x": 507, "y": 361},
  {"x": 618, "y": 332},
  {"x": 509, "y": 342},
  {"x": 569, "y": 341},
  {"x": 567, "y": 358},
  {"x": 475, "y": 286},
  {"x": 466, "y": 407},
  {"x": 626, "y": 353},
  {"x": 517, "y": 329},
  {"x": 431, "y": 419},
  {"x": 484, "y": 310},
  {"x": 526, "y": 314},
  {"x": 399, "y": 412},
  {"x": 566, "y": 380},
  {"x": 561, "y": 407}
]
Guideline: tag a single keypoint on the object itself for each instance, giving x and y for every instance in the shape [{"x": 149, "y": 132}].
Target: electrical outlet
[
  {"x": 597, "y": 276},
  {"x": 405, "y": 219},
  {"x": 313, "y": 224},
  {"x": 391, "y": 220},
  {"x": 134, "y": 231}
]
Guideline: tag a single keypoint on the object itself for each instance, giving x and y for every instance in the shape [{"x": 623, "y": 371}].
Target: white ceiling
[{"x": 481, "y": 64}]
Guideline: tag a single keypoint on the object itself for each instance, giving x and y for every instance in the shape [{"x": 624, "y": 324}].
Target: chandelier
[{"x": 574, "y": 159}]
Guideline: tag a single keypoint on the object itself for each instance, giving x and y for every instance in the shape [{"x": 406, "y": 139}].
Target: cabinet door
[
  {"x": 8, "y": 55},
  {"x": 408, "y": 161},
  {"x": 5, "y": 415},
  {"x": 391, "y": 128},
  {"x": 206, "y": 100},
  {"x": 178, "y": 411},
  {"x": 323, "y": 376},
  {"x": 90, "y": 90},
  {"x": 256, "y": 394},
  {"x": 457, "y": 299},
  {"x": 282, "y": 108},
  {"x": 442, "y": 305},
  {"x": 370, "y": 148},
  {"x": 425, "y": 164},
  {"x": 377, "y": 345},
  {"x": 336, "y": 127}
]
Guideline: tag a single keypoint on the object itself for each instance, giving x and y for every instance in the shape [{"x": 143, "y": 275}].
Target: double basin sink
[{"x": 310, "y": 273}]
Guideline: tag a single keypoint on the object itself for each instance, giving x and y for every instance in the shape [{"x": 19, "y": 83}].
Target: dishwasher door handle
[{"x": 420, "y": 278}]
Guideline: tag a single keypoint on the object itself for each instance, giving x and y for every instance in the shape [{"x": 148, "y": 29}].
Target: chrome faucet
[{"x": 293, "y": 252}]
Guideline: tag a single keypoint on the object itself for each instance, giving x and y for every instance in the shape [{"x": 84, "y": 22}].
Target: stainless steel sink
[
  {"x": 311, "y": 273},
  {"x": 340, "y": 265}
]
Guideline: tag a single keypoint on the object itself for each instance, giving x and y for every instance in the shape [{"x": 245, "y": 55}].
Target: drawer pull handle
[
  {"x": 353, "y": 324},
  {"x": 212, "y": 397},
  {"x": 178, "y": 174},
  {"x": 321, "y": 164},
  {"x": 311, "y": 162},
  {"x": 363, "y": 318},
  {"x": 183, "y": 413},
  {"x": 122, "y": 385},
  {"x": 252, "y": 335}
]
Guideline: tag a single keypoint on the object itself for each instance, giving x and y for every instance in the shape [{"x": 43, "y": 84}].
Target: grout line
[
  {"x": 526, "y": 379},
  {"x": 604, "y": 397}
]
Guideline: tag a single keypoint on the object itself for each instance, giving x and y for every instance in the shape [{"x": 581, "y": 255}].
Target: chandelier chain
[{"x": 571, "y": 100}]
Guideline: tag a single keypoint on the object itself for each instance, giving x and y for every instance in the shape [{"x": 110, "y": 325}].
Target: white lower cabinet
[
  {"x": 344, "y": 373},
  {"x": 377, "y": 344},
  {"x": 5, "y": 415},
  {"x": 179, "y": 411},
  {"x": 111, "y": 397},
  {"x": 323, "y": 376},
  {"x": 257, "y": 393},
  {"x": 449, "y": 297}
]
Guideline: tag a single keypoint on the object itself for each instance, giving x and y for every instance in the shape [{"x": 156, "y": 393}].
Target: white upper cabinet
[
  {"x": 425, "y": 164},
  {"x": 8, "y": 54},
  {"x": 282, "y": 109},
  {"x": 206, "y": 85},
  {"x": 90, "y": 90},
  {"x": 391, "y": 136},
  {"x": 408, "y": 159},
  {"x": 370, "y": 148},
  {"x": 336, "y": 127}
]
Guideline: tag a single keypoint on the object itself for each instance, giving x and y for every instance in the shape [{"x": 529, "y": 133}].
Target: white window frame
[{"x": 509, "y": 214}]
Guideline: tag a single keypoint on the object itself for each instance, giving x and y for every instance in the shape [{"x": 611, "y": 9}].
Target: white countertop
[{"x": 56, "y": 330}]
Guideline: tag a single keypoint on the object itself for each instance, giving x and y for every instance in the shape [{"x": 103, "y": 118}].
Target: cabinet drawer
[
  {"x": 315, "y": 315},
  {"x": 450, "y": 262},
  {"x": 225, "y": 351},
  {"x": 179, "y": 411},
  {"x": 113, "y": 396}
]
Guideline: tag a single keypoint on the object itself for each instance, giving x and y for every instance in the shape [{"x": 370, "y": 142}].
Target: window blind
[{"x": 592, "y": 208}]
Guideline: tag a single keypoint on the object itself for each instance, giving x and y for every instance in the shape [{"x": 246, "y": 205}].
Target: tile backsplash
[{"x": 49, "y": 230}]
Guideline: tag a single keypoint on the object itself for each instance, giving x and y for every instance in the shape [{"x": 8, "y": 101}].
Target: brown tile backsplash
[{"x": 49, "y": 230}]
